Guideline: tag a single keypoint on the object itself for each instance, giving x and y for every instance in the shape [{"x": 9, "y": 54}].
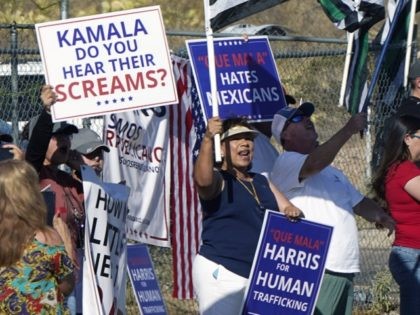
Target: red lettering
[
  {"x": 107, "y": 85},
  {"x": 102, "y": 88},
  {"x": 110, "y": 135},
  {"x": 61, "y": 95},
  {"x": 150, "y": 77},
  {"x": 72, "y": 95}
]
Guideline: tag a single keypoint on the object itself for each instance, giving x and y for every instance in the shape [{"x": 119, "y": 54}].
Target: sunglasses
[
  {"x": 297, "y": 119},
  {"x": 415, "y": 136}
]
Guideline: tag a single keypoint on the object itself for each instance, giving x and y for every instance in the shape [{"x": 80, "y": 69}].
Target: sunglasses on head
[{"x": 297, "y": 119}]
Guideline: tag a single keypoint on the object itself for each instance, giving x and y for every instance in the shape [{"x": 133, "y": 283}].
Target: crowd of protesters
[{"x": 300, "y": 182}]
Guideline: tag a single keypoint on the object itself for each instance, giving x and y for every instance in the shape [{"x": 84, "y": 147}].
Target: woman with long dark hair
[{"x": 397, "y": 181}]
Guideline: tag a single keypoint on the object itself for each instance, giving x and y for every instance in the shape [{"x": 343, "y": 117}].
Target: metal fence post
[{"x": 14, "y": 79}]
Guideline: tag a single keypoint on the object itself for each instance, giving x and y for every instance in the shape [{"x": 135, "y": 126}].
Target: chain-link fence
[{"x": 310, "y": 69}]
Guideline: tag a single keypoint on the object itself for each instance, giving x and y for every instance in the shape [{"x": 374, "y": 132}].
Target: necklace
[{"x": 252, "y": 192}]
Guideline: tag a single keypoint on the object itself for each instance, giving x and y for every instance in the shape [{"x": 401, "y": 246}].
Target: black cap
[
  {"x": 414, "y": 71},
  {"x": 411, "y": 107},
  {"x": 64, "y": 128},
  {"x": 58, "y": 128},
  {"x": 6, "y": 137}
]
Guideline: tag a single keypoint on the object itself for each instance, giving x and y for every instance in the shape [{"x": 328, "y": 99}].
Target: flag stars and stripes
[
  {"x": 199, "y": 123},
  {"x": 186, "y": 129}
]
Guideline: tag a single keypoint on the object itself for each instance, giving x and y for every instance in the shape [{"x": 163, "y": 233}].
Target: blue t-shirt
[{"x": 232, "y": 222}]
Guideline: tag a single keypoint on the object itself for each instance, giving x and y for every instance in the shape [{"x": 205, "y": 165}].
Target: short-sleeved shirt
[
  {"x": 327, "y": 198},
  {"x": 265, "y": 155},
  {"x": 232, "y": 223},
  {"x": 405, "y": 210},
  {"x": 30, "y": 286}
]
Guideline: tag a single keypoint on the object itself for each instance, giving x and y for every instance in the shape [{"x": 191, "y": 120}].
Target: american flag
[{"x": 186, "y": 130}]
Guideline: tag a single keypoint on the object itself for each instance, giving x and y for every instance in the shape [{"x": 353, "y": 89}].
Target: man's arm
[
  {"x": 372, "y": 212},
  {"x": 325, "y": 153},
  {"x": 42, "y": 131},
  {"x": 39, "y": 140}
]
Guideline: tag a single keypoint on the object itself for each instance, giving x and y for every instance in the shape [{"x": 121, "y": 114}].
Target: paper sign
[
  {"x": 144, "y": 281},
  {"x": 138, "y": 143},
  {"x": 288, "y": 266},
  {"x": 109, "y": 62},
  {"x": 104, "y": 277},
  {"x": 248, "y": 83}
]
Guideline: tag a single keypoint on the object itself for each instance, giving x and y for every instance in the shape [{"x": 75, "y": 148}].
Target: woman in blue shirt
[{"x": 234, "y": 201}]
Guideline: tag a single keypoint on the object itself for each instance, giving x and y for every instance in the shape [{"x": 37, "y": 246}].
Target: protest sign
[
  {"x": 288, "y": 266},
  {"x": 109, "y": 62},
  {"x": 104, "y": 276},
  {"x": 248, "y": 83},
  {"x": 138, "y": 142},
  {"x": 144, "y": 281}
]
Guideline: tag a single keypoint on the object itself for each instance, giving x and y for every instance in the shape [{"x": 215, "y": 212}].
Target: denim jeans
[{"x": 404, "y": 264}]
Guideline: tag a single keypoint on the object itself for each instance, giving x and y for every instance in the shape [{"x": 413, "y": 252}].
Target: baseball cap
[
  {"x": 58, "y": 128},
  {"x": 64, "y": 128},
  {"x": 86, "y": 141},
  {"x": 236, "y": 130},
  {"x": 414, "y": 71},
  {"x": 6, "y": 137},
  {"x": 411, "y": 107},
  {"x": 287, "y": 113}
]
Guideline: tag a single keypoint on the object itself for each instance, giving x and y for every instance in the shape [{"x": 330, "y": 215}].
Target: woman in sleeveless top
[{"x": 233, "y": 200}]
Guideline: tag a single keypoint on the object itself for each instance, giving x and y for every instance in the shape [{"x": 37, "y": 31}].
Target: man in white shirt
[
  {"x": 265, "y": 154},
  {"x": 325, "y": 195}
]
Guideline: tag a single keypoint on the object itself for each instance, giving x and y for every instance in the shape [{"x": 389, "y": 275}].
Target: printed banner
[
  {"x": 288, "y": 266},
  {"x": 144, "y": 281},
  {"x": 138, "y": 142},
  {"x": 104, "y": 63},
  {"x": 104, "y": 276},
  {"x": 248, "y": 83}
]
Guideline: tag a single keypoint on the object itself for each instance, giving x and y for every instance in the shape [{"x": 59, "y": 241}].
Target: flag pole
[
  {"x": 409, "y": 41},
  {"x": 378, "y": 65},
  {"x": 212, "y": 73},
  {"x": 350, "y": 37}
]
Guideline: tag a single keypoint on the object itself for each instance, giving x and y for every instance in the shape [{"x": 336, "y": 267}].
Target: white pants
[{"x": 218, "y": 290}]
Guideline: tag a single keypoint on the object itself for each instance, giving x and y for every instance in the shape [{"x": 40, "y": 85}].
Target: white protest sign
[
  {"x": 104, "y": 266},
  {"x": 138, "y": 142},
  {"x": 109, "y": 62}
]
